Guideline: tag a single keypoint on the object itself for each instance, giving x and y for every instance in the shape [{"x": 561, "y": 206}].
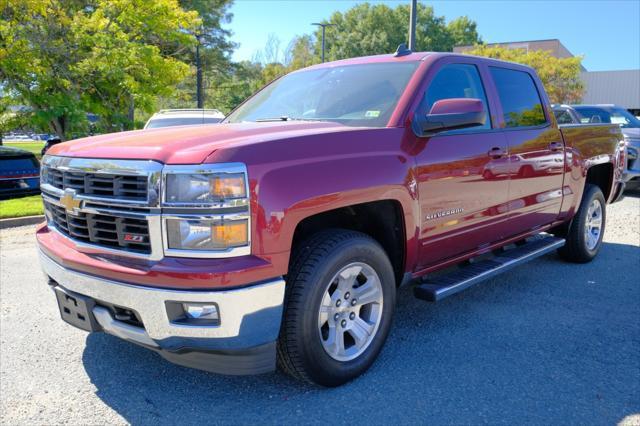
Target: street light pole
[
  {"x": 199, "y": 94},
  {"x": 412, "y": 25},
  {"x": 323, "y": 29}
]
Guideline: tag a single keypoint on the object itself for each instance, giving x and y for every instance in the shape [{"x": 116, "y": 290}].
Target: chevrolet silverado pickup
[{"x": 279, "y": 237}]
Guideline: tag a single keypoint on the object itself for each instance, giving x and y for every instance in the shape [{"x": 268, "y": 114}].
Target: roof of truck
[{"x": 412, "y": 57}]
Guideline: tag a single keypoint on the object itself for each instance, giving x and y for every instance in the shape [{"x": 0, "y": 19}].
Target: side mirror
[{"x": 450, "y": 114}]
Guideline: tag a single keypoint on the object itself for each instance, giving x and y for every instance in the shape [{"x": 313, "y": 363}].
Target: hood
[{"x": 187, "y": 144}]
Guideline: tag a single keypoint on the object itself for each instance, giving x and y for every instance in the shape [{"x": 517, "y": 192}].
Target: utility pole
[
  {"x": 412, "y": 25},
  {"x": 323, "y": 28},
  {"x": 199, "y": 91}
]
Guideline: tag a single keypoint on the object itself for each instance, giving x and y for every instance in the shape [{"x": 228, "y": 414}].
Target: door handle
[
  {"x": 496, "y": 152},
  {"x": 556, "y": 146}
]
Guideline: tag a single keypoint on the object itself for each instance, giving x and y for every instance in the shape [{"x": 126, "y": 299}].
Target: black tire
[
  {"x": 487, "y": 174},
  {"x": 300, "y": 350},
  {"x": 526, "y": 172},
  {"x": 576, "y": 248}
]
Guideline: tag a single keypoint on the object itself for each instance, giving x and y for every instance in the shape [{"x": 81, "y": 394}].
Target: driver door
[{"x": 463, "y": 203}]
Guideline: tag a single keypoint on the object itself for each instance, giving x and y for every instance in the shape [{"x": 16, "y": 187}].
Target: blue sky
[{"x": 607, "y": 33}]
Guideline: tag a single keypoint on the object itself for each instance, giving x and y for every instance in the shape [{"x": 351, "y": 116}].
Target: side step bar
[{"x": 439, "y": 287}]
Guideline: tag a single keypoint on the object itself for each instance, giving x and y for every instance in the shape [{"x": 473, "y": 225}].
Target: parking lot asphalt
[{"x": 546, "y": 343}]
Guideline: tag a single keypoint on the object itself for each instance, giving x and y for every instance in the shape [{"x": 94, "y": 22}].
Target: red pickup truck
[{"x": 279, "y": 237}]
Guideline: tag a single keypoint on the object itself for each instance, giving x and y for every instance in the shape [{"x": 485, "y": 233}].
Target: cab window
[
  {"x": 458, "y": 81},
  {"x": 521, "y": 104}
]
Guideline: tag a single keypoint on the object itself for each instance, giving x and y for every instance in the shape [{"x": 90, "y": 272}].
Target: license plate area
[{"x": 76, "y": 309}]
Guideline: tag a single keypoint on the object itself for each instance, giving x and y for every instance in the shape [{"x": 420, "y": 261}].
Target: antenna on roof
[{"x": 402, "y": 50}]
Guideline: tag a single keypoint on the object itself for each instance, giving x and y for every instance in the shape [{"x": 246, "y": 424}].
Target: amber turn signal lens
[
  {"x": 230, "y": 186},
  {"x": 230, "y": 234}
]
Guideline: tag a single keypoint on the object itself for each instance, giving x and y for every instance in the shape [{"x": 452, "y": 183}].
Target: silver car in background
[
  {"x": 629, "y": 124},
  {"x": 183, "y": 117}
]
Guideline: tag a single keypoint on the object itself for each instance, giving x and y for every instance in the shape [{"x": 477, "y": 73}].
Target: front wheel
[
  {"x": 338, "y": 309},
  {"x": 584, "y": 236}
]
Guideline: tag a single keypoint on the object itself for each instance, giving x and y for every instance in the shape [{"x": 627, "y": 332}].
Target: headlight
[
  {"x": 215, "y": 234},
  {"x": 204, "y": 188},
  {"x": 205, "y": 210}
]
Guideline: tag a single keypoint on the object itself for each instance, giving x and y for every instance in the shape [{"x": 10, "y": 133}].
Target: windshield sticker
[{"x": 372, "y": 114}]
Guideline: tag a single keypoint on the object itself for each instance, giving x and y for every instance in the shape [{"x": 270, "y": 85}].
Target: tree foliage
[
  {"x": 364, "y": 29},
  {"x": 560, "y": 76},
  {"x": 368, "y": 29},
  {"x": 65, "y": 58}
]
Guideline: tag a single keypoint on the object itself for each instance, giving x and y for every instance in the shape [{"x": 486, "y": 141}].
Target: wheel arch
[{"x": 382, "y": 220}]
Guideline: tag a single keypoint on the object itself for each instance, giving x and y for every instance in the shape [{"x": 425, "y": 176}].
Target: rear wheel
[
  {"x": 584, "y": 235},
  {"x": 338, "y": 309}
]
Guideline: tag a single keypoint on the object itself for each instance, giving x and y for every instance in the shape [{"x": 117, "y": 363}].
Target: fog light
[
  {"x": 198, "y": 311},
  {"x": 193, "y": 313}
]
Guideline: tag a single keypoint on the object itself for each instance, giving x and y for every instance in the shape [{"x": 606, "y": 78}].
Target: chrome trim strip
[
  {"x": 149, "y": 302},
  {"x": 152, "y": 169},
  {"x": 121, "y": 329}
]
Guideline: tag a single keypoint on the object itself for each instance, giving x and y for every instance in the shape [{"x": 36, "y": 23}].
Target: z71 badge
[{"x": 444, "y": 213}]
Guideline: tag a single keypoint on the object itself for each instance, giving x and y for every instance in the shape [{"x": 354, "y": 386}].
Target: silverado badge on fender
[{"x": 444, "y": 213}]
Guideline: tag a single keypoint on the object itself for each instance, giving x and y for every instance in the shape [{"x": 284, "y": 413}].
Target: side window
[
  {"x": 457, "y": 81},
  {"x": 562, "y": 116},
  {"x": 519, "y": 97}
]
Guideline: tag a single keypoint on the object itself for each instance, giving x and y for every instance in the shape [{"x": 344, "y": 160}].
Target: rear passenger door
[{"x": 536, "y": 150}]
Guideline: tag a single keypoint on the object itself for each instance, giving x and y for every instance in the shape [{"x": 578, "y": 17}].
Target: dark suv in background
[
  {"x": 19, "y": 173},
  {"x": 595, "y": 114}
]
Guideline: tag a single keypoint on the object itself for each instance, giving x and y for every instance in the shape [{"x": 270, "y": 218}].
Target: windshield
[
  {"x": 608, "y": 115},
  {"x": 180, "y": 121},
  {"x": 354, "y": 95}
]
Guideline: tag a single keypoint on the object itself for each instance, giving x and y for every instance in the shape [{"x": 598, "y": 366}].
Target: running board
[{"x": 437, "y": 288}]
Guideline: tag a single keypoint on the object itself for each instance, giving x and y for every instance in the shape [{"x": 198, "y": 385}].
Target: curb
[{"x": 20, "y": 221}]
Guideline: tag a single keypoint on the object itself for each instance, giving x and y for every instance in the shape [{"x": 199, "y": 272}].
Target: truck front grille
[
  {"x": 104, "y": 230},
  {"x": 99, "y": 185}
]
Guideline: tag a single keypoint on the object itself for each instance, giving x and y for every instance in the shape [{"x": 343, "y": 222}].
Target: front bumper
[
  {"x": 632, "y": 169},
  {"x": 243, "y": 343}
]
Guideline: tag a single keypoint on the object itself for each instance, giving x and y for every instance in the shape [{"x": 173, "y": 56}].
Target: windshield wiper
[{"x": 281, "y": 118}]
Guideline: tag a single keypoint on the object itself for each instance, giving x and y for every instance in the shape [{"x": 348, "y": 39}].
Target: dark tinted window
[
  {"x": 563, "y": 116},
  {"x": 519, "y": 98},
  {"x": 18, "y": 164},
  {"x": 457, "y": 81}
]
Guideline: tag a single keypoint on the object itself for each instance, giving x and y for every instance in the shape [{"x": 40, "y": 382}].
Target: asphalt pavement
[{"x": 546, "y": 343}]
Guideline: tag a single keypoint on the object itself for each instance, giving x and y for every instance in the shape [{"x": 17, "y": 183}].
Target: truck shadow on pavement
[{"x": 550, "y": 342}]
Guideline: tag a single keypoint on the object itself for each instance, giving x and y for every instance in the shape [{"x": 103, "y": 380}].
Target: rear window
[
  {"x": 519, "y": 97},
  {"x": 563, "y": 116}
]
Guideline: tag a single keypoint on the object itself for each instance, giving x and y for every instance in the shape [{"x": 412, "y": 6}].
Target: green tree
[
  {"x": 228, "y": 92},
  {"x": 64, "y": 58},
  {"x": 367, "y": 29},
  {"x": 560, "y": 76}
]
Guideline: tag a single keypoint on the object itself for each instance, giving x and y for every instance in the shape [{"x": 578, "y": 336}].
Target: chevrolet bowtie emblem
[{"x": 69, "y": 201}]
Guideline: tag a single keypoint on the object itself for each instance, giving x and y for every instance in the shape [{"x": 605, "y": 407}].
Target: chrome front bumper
[{"x": 249, "y": 317}]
